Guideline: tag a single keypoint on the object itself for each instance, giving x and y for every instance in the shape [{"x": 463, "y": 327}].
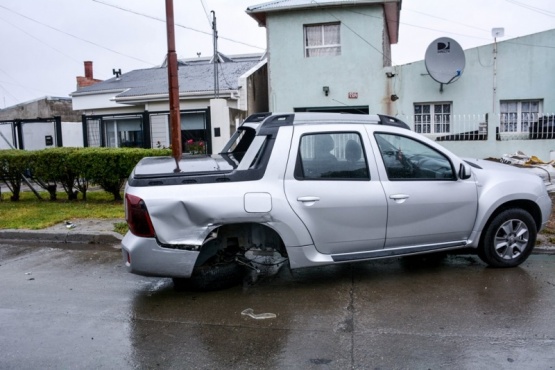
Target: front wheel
[{"x": 509, "y": 238}]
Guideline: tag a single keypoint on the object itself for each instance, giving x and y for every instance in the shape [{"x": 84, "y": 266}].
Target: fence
[{"x": 472, "y": 127}]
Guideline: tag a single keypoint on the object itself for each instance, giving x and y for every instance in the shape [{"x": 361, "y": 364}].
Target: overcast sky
[{"x": 44, "y": 42}]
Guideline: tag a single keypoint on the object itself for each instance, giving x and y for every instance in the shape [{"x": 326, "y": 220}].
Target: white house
[{"x": 132, "y": 109}]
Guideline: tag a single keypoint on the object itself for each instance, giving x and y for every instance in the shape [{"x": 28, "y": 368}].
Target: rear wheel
[
  {"x": 212, "y": 277},
  {"x": 221, "y": 271},
  {"x": 509, "y": 238}
]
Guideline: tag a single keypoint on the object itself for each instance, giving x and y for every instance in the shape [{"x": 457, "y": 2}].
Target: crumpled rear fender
[
  {"x": 190, "y": 222},
  {"x": 187, "y": 214}
]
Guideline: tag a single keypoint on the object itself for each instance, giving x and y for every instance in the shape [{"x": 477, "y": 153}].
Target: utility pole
[
  {"x": 173, "y": 84},
  {"x": 216, "y": 56}
]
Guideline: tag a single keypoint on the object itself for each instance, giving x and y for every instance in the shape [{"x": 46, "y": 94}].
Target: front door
[{"x": 427, "y": 203}]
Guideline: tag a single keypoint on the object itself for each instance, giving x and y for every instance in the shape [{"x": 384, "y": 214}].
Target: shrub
[
  {"x": 73, "y": 168},
  {"x": 57, "y": 165},
  {"x": 110, "y": 167},
  {"x": 13, "y": 164}
]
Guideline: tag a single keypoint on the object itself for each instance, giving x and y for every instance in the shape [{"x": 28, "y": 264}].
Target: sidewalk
[{"x": 86, "y": 231}]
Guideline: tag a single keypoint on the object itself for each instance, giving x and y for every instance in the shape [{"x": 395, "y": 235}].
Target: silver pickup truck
[{"x": 311, "y": 189}]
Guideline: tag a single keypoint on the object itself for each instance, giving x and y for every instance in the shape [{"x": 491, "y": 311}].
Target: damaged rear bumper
[{"x": 144, "y": 256}]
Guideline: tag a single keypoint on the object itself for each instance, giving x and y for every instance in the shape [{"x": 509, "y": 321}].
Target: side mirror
[{"x": 464, "y": 171}]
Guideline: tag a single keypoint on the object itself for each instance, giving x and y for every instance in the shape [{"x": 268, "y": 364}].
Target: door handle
[
  {"x": 308, "y": 199},
  {"x": 399, "y": 198}
]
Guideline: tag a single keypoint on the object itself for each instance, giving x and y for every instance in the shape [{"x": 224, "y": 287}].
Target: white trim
[
  {"x": 231, "y": 94},
  {"x": 253, "y": 69},
  {"x": 98, "y": 92},
  {"x": 242, "y": 97}
]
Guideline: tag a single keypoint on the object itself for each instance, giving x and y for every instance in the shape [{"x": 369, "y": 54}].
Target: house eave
[
  {"x": 392, "y": 12},
  {"x": 97, "y": 92},
  {"x": 227, "y": 94}
]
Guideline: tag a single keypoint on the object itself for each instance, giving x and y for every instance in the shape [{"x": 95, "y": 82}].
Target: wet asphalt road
[{"x": 80, "y": 309}]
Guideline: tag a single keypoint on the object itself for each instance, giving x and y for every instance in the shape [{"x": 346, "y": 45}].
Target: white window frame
[
  {"x": 516, "y": 116},
  {"x": 434, "y": 120},
  {"x": 325, "y": 48}
]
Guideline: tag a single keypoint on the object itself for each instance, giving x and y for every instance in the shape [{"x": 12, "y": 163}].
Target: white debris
[
  {"x": 545, "y": 170},
  {"x": 261, "y": 316}
]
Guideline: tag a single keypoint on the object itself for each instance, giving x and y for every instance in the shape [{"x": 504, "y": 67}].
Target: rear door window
[{"x": 331, "y": 156}]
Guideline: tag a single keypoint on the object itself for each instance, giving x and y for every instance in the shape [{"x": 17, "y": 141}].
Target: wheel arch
[
  {"x": 529, "y": 206},
  {"x": 525, "y": 204},
  {"x": 245, "y": 235},
  {"x": 221, "y": 260}
]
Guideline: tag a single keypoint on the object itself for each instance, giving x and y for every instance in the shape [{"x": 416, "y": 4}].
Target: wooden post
[{"x": 173, "y": 84}]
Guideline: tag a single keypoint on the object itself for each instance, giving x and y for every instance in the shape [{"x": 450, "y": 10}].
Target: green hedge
[
  {"x": 73, "y": 168},
  {"x": 12, "y": 164}
]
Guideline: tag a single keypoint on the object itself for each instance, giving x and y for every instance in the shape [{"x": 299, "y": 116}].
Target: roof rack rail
[
  {"x": 272, "y": 124},
  {"x": 258, "y": 117},
  {"x": 392, "y": 121}
]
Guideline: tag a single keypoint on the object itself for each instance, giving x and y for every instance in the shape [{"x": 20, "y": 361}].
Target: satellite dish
[{"x": 444, "y": 60}]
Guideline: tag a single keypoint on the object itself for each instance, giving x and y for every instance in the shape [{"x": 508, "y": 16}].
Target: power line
[
  {"x": 39, "y": 40},
  {"x": 452, "y": 33},
  {"x": 76, "y": 37},
  {"x": 176, "y": 24},
  {"x": 531, "y": 45},
  {"x": 452, "y": 21},
  {"x": 17, "y": 84},
  {"x": 403, "y": 23},
  {"x": 532, "y": 8},
  {"x": 10, "y": 94},
  {"x": 206, "y": 12},
  {"x": 353, "y": 31},
  {"x": 24, "y": 86},
  {"x": 220, "y": 67},
  {"x": 446, "y": 20},
  {"x": 422, "y": 27},
  {"x": 11, "y": 83}
]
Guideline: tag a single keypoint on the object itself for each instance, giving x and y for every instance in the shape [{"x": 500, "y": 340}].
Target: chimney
[
  {"x": 89, "y": 70},
  {"x": 88, "y": 80}
]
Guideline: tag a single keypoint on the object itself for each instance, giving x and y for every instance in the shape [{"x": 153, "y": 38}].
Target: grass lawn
[{"x": 31, "y": 213}]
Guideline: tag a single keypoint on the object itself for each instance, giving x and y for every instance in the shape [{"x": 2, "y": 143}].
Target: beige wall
[{"x": 47, "y": 107}]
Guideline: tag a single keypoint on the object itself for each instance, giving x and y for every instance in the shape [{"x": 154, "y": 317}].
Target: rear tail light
[{"x": 137, "y": 217}]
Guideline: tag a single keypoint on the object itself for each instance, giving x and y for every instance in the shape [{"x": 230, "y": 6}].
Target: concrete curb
[
  {"x": 114, "y": 239},
  {"x": 105, "y": 237},
  {"x": 544, "y": 249}
]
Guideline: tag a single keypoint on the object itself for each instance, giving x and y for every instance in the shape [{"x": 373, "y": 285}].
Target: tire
[
  {"x": 509, "y": 238},
  {"x": 211, "y": 277}
]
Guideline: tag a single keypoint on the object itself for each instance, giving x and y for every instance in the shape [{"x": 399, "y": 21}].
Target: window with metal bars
[
  {"x": 432, "y": 118},
  {"x": 518, "y": 115}
]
